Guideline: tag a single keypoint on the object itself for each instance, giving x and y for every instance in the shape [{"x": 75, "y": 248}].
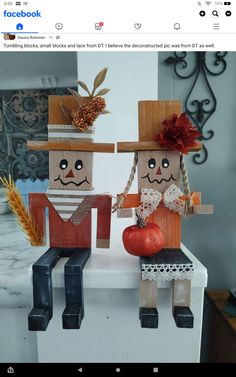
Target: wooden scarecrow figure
[
  {"x": 69, "y": 199},
  {"x": 164, "y": 136}
]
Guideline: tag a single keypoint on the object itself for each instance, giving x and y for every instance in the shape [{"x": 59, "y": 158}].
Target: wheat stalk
[{"x": 24, "y": 218}]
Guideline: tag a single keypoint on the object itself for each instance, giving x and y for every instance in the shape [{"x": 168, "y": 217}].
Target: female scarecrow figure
[{"x": 164, "y": 137}]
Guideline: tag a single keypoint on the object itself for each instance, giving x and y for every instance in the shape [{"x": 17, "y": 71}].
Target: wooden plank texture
[
  {"x": 64, "y": 234},
  {"x": 133, "y": 146},
  {"x": 152, "y": 114},
  {"x": 181, "y": 290},
  {"x": 70, "y": 173},
  {"x": 71, "y": 146},
  {"x": 148, "y": 294},
  {"x": 55, "y": 112},
  {"x": 203, "y": 209}
]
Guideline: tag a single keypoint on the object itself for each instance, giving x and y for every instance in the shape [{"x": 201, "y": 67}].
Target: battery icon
[{"x": 227, "y": 3}]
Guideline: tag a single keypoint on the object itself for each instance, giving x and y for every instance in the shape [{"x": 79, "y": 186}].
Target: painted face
[
  {"x": 70, "y": 170},
  {"x": 158, "y": 169}
]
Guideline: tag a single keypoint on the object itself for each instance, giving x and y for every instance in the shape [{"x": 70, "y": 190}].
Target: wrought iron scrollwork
[{"x": 199, "y": 109}]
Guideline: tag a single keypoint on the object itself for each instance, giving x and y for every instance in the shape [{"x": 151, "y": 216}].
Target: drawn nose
[
  {"x": 70, "y": 174},
  {"x": 159, "y": 171}
]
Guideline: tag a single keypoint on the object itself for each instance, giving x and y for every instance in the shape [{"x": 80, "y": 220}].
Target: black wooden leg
[
  {"x": 41, "y": 313},
  {"x": 74, "y": 311}
]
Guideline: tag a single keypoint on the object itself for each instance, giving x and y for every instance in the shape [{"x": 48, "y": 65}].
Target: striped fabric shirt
[{"x": 66, "y": 202}]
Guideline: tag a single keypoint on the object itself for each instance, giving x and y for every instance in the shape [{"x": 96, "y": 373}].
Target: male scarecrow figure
[
  {"x": 69, "y": 200},
  {"x": 163, "y": 137}
]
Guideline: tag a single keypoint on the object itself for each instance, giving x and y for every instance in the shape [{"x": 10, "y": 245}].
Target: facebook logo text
[{"x": 21, "y": 14}]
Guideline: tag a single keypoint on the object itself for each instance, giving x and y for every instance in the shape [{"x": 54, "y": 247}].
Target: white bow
[{"x": 150, "y": 200}]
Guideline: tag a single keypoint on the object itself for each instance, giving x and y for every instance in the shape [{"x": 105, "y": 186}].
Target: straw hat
[
  {"x": 62, "y": 134},
  {"x": 163, "y": 127}
]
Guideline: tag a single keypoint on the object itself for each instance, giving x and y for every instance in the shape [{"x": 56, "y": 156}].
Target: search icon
[{"x": 215, "y": 13}]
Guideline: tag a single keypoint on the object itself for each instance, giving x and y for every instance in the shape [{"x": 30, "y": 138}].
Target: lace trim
[
  {"x": 150, "y": 200},
  {"x": 167, "y": 271},
  {"x": 171, "y": 199}
]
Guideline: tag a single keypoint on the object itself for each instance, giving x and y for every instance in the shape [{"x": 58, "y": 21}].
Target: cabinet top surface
[{"x": 219, "y": 299}]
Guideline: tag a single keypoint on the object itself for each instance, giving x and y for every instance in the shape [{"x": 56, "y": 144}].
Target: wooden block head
[
  {"x": 70, "y": 170},
  {"x": 158, "y": 170}
]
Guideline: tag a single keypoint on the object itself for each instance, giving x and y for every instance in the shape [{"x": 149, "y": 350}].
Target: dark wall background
[{"x": 26, "y": 81}]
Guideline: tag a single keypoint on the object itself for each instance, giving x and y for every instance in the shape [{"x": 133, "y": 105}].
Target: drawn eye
[
  {"x": 152, "y": 163},
  {"x": 63, "y": 164},
  {"x": 79, "y": 165},
  {"x": 165, "y": 163}
]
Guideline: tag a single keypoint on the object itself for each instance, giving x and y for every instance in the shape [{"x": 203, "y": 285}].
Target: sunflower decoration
[{"x": 86, "y": 113}]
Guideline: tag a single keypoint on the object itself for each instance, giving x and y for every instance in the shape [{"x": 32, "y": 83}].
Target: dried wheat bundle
[{"x": 25, "y": 220}]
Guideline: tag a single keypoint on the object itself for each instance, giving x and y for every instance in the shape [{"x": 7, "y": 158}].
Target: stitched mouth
[
  {"x": 70, "y": 182},
  {"x": 161, "y": 180}
]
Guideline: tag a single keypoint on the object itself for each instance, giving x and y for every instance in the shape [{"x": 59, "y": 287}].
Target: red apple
[{"x": 144, "y": 241}]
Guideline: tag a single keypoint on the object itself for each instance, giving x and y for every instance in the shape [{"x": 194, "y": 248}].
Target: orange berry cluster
[{"x": 84, "y": 116}]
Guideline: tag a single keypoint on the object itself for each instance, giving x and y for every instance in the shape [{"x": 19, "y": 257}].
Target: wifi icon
[{"x": 208, "y": 2}]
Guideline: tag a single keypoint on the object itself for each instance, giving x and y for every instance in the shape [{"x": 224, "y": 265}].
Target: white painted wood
[
  {"x": 111, "y": 331},
  {"x": 17, "y": 344}
]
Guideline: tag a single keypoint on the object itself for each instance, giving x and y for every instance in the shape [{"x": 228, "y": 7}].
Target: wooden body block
[
  {"x": 65, "y": 234},
  {"x": 168, "y": 221}
]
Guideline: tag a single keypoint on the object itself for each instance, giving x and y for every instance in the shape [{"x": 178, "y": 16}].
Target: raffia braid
[
  {"x": 188, "y": 211},
  {"x": 121, "y": 197}
]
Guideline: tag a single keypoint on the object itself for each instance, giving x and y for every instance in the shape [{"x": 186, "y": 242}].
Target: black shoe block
[
  {"x": 38, "y": 319},
  {"x": 72, "y": 317},
  {"x": 183, "y": 317},
  {"x": 148, "y": 318}
]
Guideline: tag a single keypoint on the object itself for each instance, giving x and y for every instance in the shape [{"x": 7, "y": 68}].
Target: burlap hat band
[{"x": 68, "y": 132}]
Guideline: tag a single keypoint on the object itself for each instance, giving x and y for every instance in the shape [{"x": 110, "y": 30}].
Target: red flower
[{"x": 178, "y": 134}]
